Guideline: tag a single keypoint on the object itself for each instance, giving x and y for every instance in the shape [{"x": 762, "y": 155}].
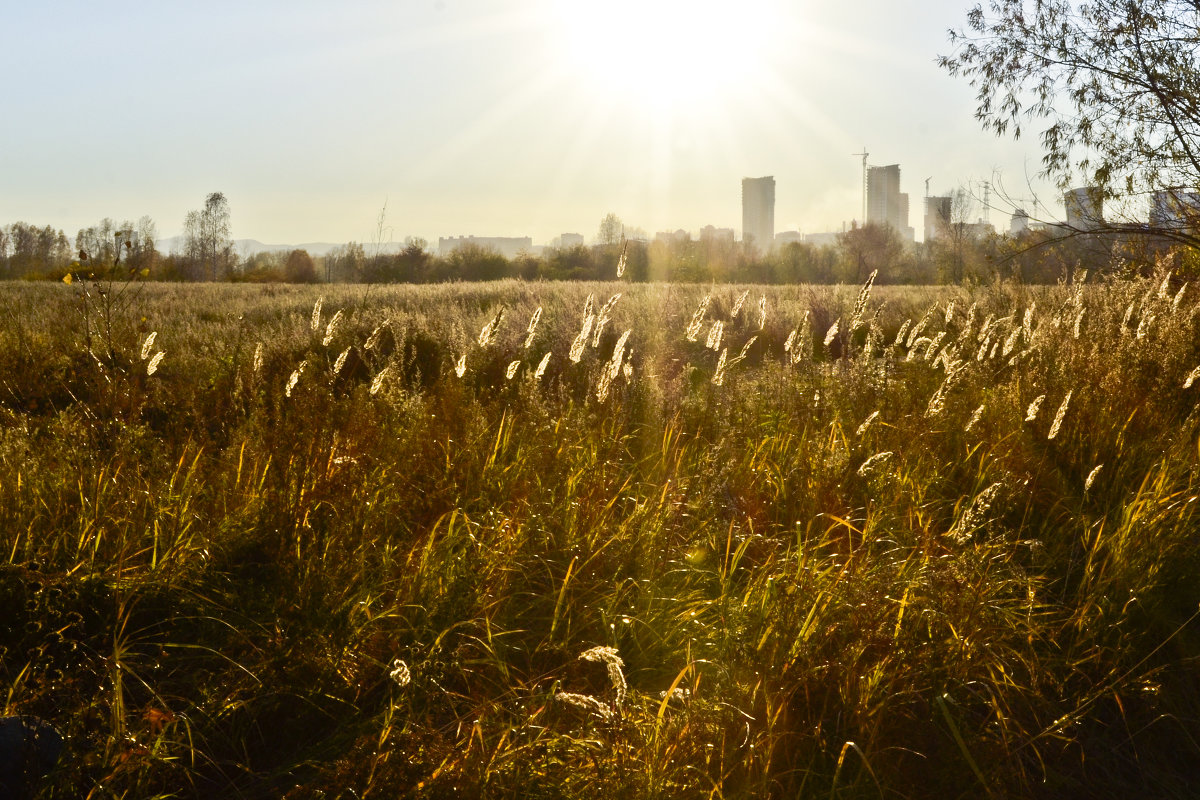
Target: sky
[{"x": 484, "y": 117}]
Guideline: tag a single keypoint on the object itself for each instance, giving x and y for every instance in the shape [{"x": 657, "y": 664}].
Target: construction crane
[{"x": 864, "y": 155}]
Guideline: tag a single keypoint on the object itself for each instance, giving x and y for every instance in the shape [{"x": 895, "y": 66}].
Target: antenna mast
[{"x": 864, "y": 155}]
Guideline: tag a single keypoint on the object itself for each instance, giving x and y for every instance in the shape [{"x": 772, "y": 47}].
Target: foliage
[{"x": 1116, "y": 83}]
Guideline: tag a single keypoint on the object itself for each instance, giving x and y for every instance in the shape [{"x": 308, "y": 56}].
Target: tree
[
  {"x": 300, "y": 268},
  {"x": 207, "y": 245},
  {"x": 868, "y": 248},
  {"x": 1116, "y": 83},
  {"x": 611, "y": 229}
]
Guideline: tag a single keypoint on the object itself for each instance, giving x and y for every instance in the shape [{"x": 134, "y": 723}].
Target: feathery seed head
[
  {"x": 832, "y": 332},
  {"x": 152, "y": 367},
  {"x": 294, "y": 378},
  {"x": 512, "y": 369},
  {"x": 341, "y": 362},
  {"x": 737, "y": 305},
  {"x": 718, "y": 377},
  {"x": 866, "y": 423},
  {"x": 1031, "y": 412},
  {"x": 400, "y": 673},
  {"x": 533, "y": 323},
  {"x": 331, "y": 328},
  {"x": 874, "y": 462},
  {"x": 257, "y": 361},
  {"x": 377, "y": 383},
  {"x": 1091, "y": 478},
  {"x": 1058, "y": 417},
  {"x": 460, "y": 366},
  {"x": 714, "y": 335},
  {"x": 577, "y": 347},
  {"x": 693, "y": 328},
  {"x": 541, "y": 367},
  {"x": 316, "y": 314},
  {"x": 487, "y": 335},
  {"x": 148, "y": 345}
]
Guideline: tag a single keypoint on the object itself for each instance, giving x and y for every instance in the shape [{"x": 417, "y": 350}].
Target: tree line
[{"x": 957, "y": 254}]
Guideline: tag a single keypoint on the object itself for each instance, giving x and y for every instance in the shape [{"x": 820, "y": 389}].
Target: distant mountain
[{"x": 249, "y": 247}]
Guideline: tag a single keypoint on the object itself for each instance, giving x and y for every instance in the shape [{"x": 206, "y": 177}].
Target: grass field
[{"x": 774, "y": 542}]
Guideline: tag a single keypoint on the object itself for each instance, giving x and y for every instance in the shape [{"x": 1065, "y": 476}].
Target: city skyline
[{"x": 502, "y": 117}]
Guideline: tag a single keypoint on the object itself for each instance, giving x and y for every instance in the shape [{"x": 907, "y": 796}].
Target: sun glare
[{"x": 665, "y": 52}]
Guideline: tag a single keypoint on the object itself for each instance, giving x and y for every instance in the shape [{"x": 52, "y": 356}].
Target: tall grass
[{"x": 836, "y": 554}]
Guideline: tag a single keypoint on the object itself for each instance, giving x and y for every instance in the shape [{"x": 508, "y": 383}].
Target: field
[{"x": 779, "y": 542}]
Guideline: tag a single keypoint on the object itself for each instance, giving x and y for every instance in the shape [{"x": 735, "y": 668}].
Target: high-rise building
[
  {"x": 886, "y": 204},
  {"x": 937, "y": 217},
  {"x": 1174, "y": 209},
  {"x": 1085, "y": 208},
  {"x": 758, "y": 212},
  {"x": 1019, "y": 223}
]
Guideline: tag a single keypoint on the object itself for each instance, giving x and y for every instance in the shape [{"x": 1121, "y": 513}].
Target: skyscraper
[
  {"x": 758, "y": 211},
  {"x": 886, "y": 204},
  {"x": 937, "y": 216},
  {"x": 1085, "y": 208}
]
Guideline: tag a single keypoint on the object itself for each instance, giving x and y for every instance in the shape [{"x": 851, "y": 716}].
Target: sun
[{"x": 662, "y": 52}]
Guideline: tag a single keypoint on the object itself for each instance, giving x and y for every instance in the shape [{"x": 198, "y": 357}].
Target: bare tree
[{"x": 207, "y": 242}]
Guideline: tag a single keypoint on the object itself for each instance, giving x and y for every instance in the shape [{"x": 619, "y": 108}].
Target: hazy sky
[{"x": 485, "y": 117}]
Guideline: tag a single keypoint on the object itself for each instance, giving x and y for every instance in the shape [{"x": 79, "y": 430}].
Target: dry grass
[{"x": 850, "y": 560}]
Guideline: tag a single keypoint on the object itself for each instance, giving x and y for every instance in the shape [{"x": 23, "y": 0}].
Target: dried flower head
[
  {"x": 616, "y": 675},
  {"x": 294, "y": 378},
  {"x": 512, "y": 369},
  {"x": 331, "y": 328},
  {"x": 693, "y": 328},
  {"x": 587, "y": 703},
  {"x": 148, "y": 345},
  {"x": 737, "y": 305},
  {"x": 341, "y": 362},
  {"x": 400, "y": 673},
  {"x": 487, "y": 335},
  {"x": 976, "y": 513},
  {"x": 257, "y": 361},
  {"x": 762, "y": 312},
  {"x": 832, "y": 332},
  {"x": 866, "y": 423},
  {"x": 460, "y": 366},
  {"x": 152, "y": 367},
  {"x": 577, "y": 347},
  {"x": 1087, "y": 484},
  {"x": 718, "y": 377},
  {"x": 874, "y": 462},
  {"x": 714, "y": 335},
  {"x": 541, "y": 367},
  {"x": 1191, "y": 378},
  {"x": 1031, "y": 412},
  {"x": 315, "y": 324},
  {"x": 377, "y": 383},
  {"x": 1058, "y": 417},
  {"x": 533, "y": 323}
]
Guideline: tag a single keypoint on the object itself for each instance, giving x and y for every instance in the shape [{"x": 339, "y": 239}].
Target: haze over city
[{"x": 494, "y": 117}]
